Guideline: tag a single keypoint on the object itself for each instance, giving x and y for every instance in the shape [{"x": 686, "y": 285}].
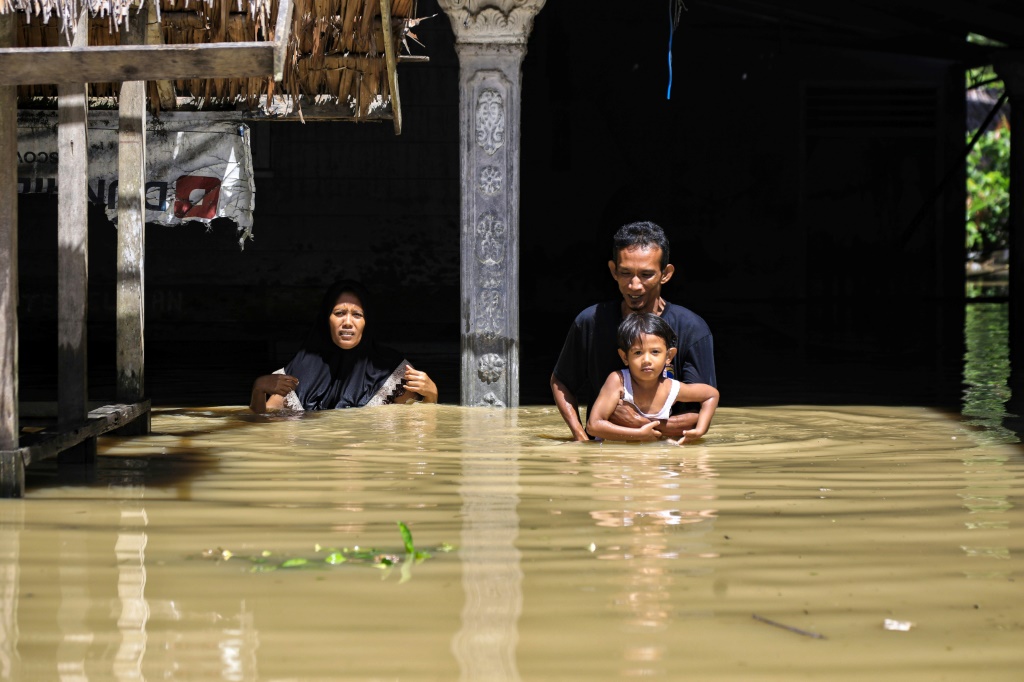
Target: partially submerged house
[
  {"x": 221, "y": 61},
  {"x": 806, "y": 160}
]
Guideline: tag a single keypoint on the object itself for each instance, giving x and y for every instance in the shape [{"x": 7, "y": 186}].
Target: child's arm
[
  {"x": 707, "y": 396},
  {"x": 598, "y": 423}
]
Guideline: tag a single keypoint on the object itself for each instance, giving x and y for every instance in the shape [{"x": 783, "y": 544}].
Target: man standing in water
[{"x": 640, "y": 265}]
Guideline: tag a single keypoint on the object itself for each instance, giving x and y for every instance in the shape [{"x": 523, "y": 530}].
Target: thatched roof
[{"x": 335, "y": 54}]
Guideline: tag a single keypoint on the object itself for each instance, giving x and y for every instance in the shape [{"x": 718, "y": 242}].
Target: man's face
[{"x": 640, "y": 277}]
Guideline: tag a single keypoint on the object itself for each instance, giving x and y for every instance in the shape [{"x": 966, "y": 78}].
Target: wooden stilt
[
  {"x": 392, "y": 62},
  {"x": 12, "y": 471},
  {"x": 131, "y": 236},
  {"x": 73, "y": 252}
]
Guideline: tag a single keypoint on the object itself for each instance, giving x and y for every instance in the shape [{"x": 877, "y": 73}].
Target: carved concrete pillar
[
  {"x": 491, "y": 43},
  {"x": 1010, "y": 67}
]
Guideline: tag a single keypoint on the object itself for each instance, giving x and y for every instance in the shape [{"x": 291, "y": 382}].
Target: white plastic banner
[{"x": 196, "y": 169}]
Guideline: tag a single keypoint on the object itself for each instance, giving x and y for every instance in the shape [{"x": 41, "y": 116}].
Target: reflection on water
[
  {"x": 485, "y": 644},
  {"x": 571, "y": 561},
  {"x": 987, "y": 496},
  {"x": 987, "y": 367},
  {"x": 662, "y": 502}
]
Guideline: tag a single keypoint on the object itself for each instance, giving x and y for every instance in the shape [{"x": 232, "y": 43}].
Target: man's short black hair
[
  {"x": 644, "y": 234},
  {"x": 636, "y": 324}
]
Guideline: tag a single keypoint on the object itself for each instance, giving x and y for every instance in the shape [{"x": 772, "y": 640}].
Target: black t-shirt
[{"x": 590, "y": 352}]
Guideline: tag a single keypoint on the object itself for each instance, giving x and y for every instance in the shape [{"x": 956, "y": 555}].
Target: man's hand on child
[{"x": 626, "y": 414}]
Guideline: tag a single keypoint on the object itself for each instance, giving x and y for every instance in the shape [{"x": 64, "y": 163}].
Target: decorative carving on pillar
[
  {"x": 490, "y": 180},
  {"x": 490, "y": 239},
  {"x": 490, "y": 121},
  {"x": 491, "y": 21},
  {"x": 491, "y": 367},
  {"x": 491, "y": 349},
  {"x": 491, "y": 400}
]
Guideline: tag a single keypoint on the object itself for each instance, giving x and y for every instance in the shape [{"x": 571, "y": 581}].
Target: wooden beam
[
  {"x": 8, "y": 259},
  {"x": 131, "y": 234},
  {"x": 51, "y": 442},
  {"x": 72, "y": 244},
  {"x": 389, "y": 56},
  {"x": 112, "y": 63}
]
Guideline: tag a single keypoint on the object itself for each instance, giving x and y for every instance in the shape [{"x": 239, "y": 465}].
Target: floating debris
[
  {"x": 798, "y": 631},
  {"x": 898, "y": 625},
  {"x": 325, "y": 557}
]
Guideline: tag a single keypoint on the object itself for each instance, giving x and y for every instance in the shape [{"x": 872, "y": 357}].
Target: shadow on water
[
  {"x": 171, "y": 470},
  {"x": 173, "y": 461}
]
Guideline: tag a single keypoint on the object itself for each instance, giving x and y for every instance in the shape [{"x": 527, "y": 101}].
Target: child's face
[{"x": 647, "y": 357}]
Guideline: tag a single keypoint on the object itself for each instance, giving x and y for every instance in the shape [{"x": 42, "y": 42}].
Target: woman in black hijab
[{"x": 340, "y": 365}]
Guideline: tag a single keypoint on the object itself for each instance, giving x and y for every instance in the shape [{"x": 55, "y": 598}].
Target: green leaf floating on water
[
  {"x": 267, "y": 561},
  {"x": 406, "y": 538}
]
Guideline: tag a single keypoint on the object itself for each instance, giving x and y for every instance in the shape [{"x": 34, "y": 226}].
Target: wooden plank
[
  {"x": 50, "y": 443},
  {"x": 47, "y": 409},
  {"x": 112, "y": 63},
  {"x": 8, "y": 260},
  {"x": 389, "y": 56},
  {"x": 72, "y": 244},
  {"x": 131, "y": 233}
]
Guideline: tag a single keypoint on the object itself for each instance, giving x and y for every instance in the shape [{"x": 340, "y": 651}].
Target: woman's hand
[
  {"x": 419, "y": 382},
  {"x": 274, "y": 385}
]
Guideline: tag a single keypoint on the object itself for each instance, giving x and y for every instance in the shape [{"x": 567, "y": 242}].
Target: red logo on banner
[{"x": 196, "y": 196}]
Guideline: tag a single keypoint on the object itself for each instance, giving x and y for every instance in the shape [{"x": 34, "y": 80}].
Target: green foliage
[
  {"x": 266, "y": 560},
  {"x": 988, "y": 192}
]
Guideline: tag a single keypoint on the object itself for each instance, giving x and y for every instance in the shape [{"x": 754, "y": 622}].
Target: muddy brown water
[{"x": 793, "y": 542}]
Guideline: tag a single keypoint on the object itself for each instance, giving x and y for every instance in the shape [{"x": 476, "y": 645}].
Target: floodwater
[{"x": 794, "y": 542}]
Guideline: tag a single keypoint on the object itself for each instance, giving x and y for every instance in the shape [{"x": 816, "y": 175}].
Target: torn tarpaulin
[{"x": 197, "y": 169}]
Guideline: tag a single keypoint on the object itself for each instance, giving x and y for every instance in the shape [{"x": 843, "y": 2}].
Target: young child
[{"x": 645, "y": 345}]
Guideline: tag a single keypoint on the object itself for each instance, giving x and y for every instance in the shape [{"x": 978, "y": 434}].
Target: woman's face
[{"x": 346, "y": 321}]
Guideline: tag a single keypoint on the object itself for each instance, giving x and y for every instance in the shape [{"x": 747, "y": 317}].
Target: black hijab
[{"x": 331, "y": 377}]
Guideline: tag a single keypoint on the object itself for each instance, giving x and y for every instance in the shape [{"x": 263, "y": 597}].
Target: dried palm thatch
[{"x": 335, "y": 57}]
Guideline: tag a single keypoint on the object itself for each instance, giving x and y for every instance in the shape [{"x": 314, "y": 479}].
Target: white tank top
[{"x": 666, "y": 410}]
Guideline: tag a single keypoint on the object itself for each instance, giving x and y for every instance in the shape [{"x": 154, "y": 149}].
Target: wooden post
[
  {"x": 391, "y": 62},
  {"x": 12, "y": 471},
  {"x": 131, "y": 233},
  {"x": 73, "y": 248}
]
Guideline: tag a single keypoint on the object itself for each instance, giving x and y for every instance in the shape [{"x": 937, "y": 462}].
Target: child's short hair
[{"x": 636, "y": 324}]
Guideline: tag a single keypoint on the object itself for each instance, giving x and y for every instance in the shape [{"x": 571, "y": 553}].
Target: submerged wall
[{"x": 791, "y": 180}]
